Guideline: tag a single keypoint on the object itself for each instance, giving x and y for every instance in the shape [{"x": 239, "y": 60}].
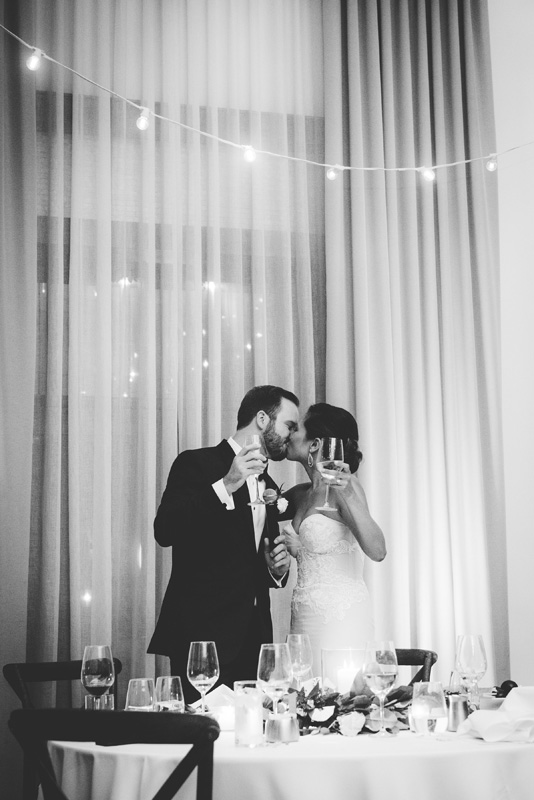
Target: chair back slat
[
  {"x": 34, "y": 728},
  {"x": 417, "y": 658}
]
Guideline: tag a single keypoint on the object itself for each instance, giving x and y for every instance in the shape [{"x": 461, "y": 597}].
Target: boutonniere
[{"x": 274, "y": 496}]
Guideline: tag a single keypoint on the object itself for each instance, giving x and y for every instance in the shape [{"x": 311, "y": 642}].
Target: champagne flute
[
  {"x": 329, "y": 463},
  {"x": 203, "y": 669},
  {"x": 255, "y": 439},
  {"x": 380, "y": 672},
  {"x": 301, "y": 655},
  {"x": 471, "y": 664},
  {"x": 274, "y": 671},
  {"x": 98, "y": 672}
]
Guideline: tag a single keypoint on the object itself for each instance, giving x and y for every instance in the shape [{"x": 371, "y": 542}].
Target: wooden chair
[
  {"x": 417, "y": 658},
  {"x": 21, "y": 675},
  {"x": 34, "y": 728}
]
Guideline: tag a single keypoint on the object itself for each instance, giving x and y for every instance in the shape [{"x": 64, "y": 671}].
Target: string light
[
  {"x": 333, "y": 172},
  {"x": 34, "y": 60},
  {"x": 428, "y": 174},
  {"x": 249, "y": 153},
  {"x": 143, "y": 120}
]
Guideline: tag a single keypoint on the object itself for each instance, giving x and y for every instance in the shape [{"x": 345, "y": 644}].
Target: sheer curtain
[
  {"x": 172, "y": 276},
  {"x": 413, "y": 307},
  {"x": 161, "y": 276}
]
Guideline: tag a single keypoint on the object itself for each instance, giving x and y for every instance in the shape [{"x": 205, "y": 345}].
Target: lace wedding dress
[{"x": 330, "y": 601}]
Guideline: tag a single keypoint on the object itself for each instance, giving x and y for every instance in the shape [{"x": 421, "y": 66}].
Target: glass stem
[
  {"x": 97, "y": 704},
  {"x": 326, "y": 495},
  {"x": 382, "y": 720}
]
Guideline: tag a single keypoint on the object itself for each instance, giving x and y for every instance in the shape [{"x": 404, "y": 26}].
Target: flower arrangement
[{"x": 349, "y": 714}]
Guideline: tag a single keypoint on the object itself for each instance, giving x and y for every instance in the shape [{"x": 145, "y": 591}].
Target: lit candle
[{"x": 345, "y": 677}]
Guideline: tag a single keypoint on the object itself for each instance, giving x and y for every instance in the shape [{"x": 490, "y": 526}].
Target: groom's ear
[{"x": 262, "y": 420}]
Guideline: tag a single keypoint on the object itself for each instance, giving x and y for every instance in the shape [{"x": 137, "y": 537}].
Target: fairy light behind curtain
[{"x": 172, "y": 276}]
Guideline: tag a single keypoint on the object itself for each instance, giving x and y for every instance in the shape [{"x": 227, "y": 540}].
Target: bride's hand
[
  {"x": 291, "y": 539},
  {"x": 337, "y": 479}
]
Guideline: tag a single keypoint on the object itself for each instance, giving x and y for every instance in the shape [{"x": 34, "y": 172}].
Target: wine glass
[
  {"x": 301, "y": 655},
  {"x": 98, "y": 673},
  {"x": 329, "y": 463},
  {"x": 471, "y": 664},
  {"x": 255, "y": 439},
  {"x": 203, "y": 669},
  {"x": 380, "y": 672},
  {"x": 274, "y": 671}
]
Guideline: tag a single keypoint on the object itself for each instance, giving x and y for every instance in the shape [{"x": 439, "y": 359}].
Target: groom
[{"x": 226, "y": 554}]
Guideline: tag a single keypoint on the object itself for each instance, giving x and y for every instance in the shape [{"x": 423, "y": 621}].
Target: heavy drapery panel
[
  {"x": 172, "y": 276},
  {"x": 413, "y": 305}
]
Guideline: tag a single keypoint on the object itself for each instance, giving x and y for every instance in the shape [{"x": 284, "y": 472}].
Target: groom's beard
[{"x": 275, "y": 445}]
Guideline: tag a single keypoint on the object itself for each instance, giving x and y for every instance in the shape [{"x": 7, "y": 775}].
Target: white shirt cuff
[{"x": 220, "y": 490}]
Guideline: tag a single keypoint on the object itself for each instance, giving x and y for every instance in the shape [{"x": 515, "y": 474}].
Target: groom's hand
[
  {"x": 249, "y": 461},
  {"x": 276, "y": 556}
]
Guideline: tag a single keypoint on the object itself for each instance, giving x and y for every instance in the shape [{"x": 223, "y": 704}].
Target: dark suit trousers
[{"x": 242, "y": 668}]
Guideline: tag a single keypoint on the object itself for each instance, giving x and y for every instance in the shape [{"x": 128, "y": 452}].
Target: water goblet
[
  {"x": 428, "y": 713},
  {"x": 471, "y": 664},
  {"x": 97, "y": 673},
  {"x": 169, "y": 694},
  {"x": 301, "y": 655},
  {"x": 380, "y": 672},
  {"x": 274, "y": 671},
  {"x": 330, "y": 463},
  {"x": 203, "y": 669},
  {"x": 140, "y": 695}
]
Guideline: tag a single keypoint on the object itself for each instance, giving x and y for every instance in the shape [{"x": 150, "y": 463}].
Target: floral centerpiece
[{"x": 328, "y": 711}]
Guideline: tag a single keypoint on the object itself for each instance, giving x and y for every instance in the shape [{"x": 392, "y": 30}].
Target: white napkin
[
  {"x": 221, "y": 705},
  {"x": 512, "y": 722}
]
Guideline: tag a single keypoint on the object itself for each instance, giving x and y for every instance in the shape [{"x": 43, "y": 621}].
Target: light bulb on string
[
  {"x": 249, "y": 154},
  {"x": 34, "y": 60},
  {"x": 428, "y": 174},
  {"x": 491, "y": 165},
  {"x": 143, "y": 120},
  {"x": 332, "y": 173}
]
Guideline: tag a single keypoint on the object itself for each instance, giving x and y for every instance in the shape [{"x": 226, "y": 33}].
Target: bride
[{"x": 330, "y": 601}]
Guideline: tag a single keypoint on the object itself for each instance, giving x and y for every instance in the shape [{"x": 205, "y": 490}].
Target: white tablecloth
[{"x": 404, "y": 767}]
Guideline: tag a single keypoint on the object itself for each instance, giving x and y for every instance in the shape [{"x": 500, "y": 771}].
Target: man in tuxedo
[{"x": 226, "y": 554}]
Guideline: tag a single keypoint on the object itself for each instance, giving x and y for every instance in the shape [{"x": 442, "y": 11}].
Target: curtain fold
[{"x": 424, "y": 339}]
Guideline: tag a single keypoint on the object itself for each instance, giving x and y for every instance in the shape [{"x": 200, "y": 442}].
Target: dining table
[{"x": 363, "y": 767}]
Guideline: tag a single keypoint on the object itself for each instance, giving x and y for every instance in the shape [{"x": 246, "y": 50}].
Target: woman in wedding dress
[{"x": 330, "y": 601}]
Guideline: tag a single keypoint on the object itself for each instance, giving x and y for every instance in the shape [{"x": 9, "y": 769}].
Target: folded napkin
[
  {"x": 221, "y": 706},
  {"x": 512, "y": 722}
]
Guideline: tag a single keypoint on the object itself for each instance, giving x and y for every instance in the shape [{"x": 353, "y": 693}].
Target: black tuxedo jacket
[{"x": 217, "y": 573}]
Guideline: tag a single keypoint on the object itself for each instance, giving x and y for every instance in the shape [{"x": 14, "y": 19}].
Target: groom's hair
[{"x": 262, "y": 398}]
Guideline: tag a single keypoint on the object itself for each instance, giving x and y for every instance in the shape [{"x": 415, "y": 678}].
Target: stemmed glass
[
  {"x": 203, "y": 668},
  {"x": 274, "y": 671},
  {"x": 471, "y": 664},
  {"x": 329, "y": 463},
  {"x": 98, "y": 673},
  {"x": 254, "y": 438},
  {"x": 301, "y": 655},
  {"x": 380, "y": 672}
]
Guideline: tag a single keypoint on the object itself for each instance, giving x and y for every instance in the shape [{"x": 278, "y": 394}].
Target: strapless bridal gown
[{"x": 330, "y": 601}]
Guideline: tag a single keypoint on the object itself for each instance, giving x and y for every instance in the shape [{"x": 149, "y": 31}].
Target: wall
[{"x": 511, "y": 29}]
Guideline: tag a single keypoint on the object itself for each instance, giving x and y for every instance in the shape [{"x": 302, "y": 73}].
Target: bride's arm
[
  {"x": 291, "y": 536},
  {"x": 355, "y": 513}
]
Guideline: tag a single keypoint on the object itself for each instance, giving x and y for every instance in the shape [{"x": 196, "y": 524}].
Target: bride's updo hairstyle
[{"x": 323, "y": 420}]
